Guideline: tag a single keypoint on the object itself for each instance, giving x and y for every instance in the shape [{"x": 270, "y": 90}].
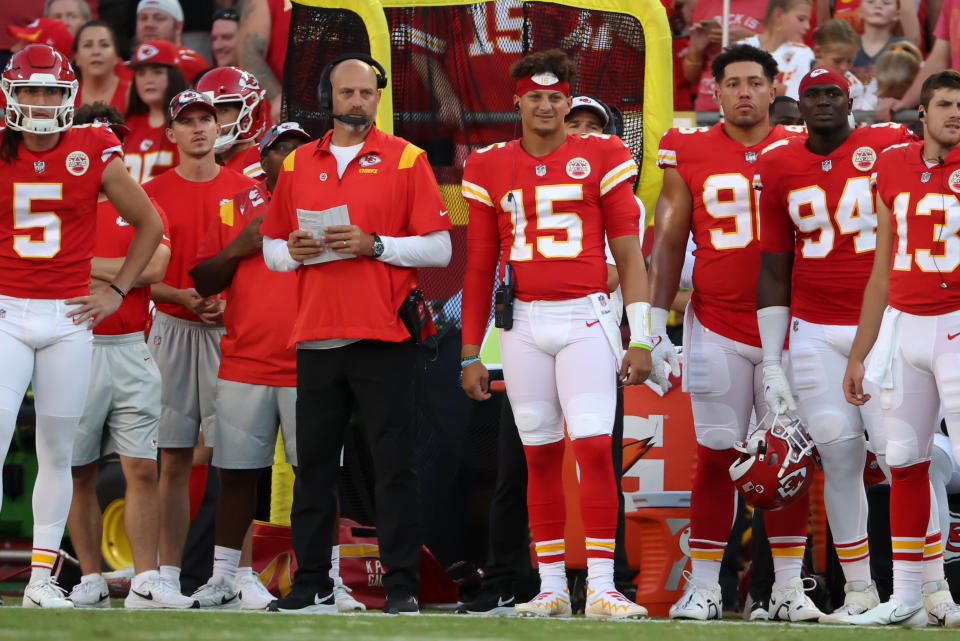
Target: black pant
[
  {"x": 508, "y": 510},
  {"x": 374, "y": 379}
]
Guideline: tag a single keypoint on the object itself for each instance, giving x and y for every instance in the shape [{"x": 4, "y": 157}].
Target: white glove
[
  {"x": 663, "y": 355},
  {"x": 776, "y": 390}
]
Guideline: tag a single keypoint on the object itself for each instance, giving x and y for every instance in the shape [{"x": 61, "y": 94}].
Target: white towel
[
  {"x": 604, "y": 310},
  {"x": 880, "y": 369}
]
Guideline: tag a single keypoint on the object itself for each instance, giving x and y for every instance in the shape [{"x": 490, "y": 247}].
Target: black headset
[{"x": 325, "y": 89}]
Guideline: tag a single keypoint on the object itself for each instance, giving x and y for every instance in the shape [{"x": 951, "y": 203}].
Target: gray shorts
[
  {"x": 188, "y": 354},
  {"x": 246, "y": 429},
  {"x": 123, "y": 396}
]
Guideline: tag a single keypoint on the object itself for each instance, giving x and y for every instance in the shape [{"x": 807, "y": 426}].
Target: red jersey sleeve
[
  {"x": 425, "y": 208},
  {"x": 281, "y": 217},
  {"x": 776, "y": 227},
  {"x": 621, "y": 213},
  {"x": 482, "y": 252}
]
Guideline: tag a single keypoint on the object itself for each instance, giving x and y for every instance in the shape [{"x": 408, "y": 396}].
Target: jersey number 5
[
  {"x": 25, "y": 218},
  {"x": 546, "y": 220}
]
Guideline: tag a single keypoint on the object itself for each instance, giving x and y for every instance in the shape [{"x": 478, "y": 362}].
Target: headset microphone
[
  {"x": 940, "y": 160},
  {"x": 351, "y": 119}
]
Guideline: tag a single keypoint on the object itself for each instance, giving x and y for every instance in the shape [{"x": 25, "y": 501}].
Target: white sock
[
  {"x": 139, "y": 579},
  {"x": 170, "y": 574},
  {"x": 225, "y": 562},
  {"x": 600, "y": 574},
  {"x": 553, "y": 577},
  {"x": 907, "y": 576},
  {"x": 705, "y": 571},
  {"x": 786, "y": 568},
  {"x": 335, "y": 562}
]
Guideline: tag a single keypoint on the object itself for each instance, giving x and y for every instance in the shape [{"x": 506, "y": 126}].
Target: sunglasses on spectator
[{"x": 226, "y": 14}]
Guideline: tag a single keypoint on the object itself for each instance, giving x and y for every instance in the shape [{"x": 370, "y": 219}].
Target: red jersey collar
[{"x": 372, "y": 143}]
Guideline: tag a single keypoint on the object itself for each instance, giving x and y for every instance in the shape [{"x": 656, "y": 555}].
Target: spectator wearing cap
[
  {"x": 185, "y": 336},
  {"x": 159, "y": 20},
  {"x": 95, "y": 58},
  {"x": 148, "y": 151},
  {"x": 18, "y": 12},
  {"x": 45, "y": 31},
  {"x": 586, "y": 115},
  {"x": 191, "y": 63},
  {"x": 223, "y": 37},
  {"x": 72, "y": 13}
]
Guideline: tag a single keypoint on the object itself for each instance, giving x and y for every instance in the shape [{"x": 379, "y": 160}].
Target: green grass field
[{"x": 106, "y": 625}]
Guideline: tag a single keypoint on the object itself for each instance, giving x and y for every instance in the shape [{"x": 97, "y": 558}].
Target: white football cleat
[
  {"x": 892, "y": 613},
  {"x": 610, "y": 604},
  {"x": 938, "y": 602},
  {"x": 859, "y": 596},
  {"x": 251, "y": 592},
  {"x": 91, "y": 593},
  {"x": 345, "y": 602},
  {"x": 790, "y": 603},
  {"x": 215, "y": 593},
  {"x": 46, "y": 594},
  {"x": 153, "y": 593},
  {"x": 546, "y": 604},
  {"x": 700, "y": 601}
]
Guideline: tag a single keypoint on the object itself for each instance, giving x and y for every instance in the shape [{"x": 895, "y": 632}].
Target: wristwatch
[{"x": 377, "y": 246}]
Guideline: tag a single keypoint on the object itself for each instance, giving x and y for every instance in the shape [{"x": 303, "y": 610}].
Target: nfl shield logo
[
  {"x": 39, "y": 166},
  {"x": 751, "y": 156},
  {"x": 925, "y": 177},
  {"x": 826, "y": 165},
  {"x": 541, "y": 170}
]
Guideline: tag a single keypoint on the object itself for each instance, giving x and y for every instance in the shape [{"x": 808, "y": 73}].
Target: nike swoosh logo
[
  {"x": 443, "y": 213},
  {"x": 502, "y": 604},
  {"x": 34, "y": 600},
  {"x": 897, "y": 618},
  {"x": 104, "y": 596},
  {"x": 148, "y": 596},
  {"x": 591, "y": 324},
  {"x": 950, "y": 337}
]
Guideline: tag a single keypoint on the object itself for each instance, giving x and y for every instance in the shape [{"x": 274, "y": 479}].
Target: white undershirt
[{"x": 344, "y": 155}]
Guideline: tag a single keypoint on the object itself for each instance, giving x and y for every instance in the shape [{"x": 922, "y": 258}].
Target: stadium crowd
[{"x": 184, "y": 273}]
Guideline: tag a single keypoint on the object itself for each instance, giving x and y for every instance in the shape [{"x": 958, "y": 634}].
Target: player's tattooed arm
[{"x": 253, "y": 36}]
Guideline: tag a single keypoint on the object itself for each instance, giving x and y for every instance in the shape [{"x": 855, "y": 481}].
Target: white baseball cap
[
  {"x": 168, "y": 6},
  {"x": 586, "y": 102}
]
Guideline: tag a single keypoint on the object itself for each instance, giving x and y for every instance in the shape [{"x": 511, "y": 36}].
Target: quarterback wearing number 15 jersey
[
  {"x": 724, "y": 224},
  {"x": 822, "y": 209},
  {"x": 547, "y": 216}
]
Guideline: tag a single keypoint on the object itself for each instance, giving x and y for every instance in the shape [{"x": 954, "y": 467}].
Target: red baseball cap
[
  {"x": 824, "y": 76},
  {"x": 189, "y": 98},
  {"x": 191, "y": 63},
  {"x": 155, "y": 52},
  {"x": 45, "y": 31}
]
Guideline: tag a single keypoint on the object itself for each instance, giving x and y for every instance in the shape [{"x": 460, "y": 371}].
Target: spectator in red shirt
[
  {"x": 95, "y": 59},
  {"x": 262, "y": 44}
]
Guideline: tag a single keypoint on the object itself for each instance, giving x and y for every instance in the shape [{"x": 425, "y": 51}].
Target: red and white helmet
[
  {"x": 230, "y": 84},
  {"x": 39, "y": 66},
  {"x": 776, "y": 464}
]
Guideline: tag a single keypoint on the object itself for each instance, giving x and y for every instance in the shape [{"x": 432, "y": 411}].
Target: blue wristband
[{"x": 470, "y": 360}]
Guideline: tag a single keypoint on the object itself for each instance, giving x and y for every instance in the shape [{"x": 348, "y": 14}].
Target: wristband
[
  {"x": 659, "y": 317},
  {"x": 122, "y": 293},
  {"x": 469, "y": 360},
  {"x": 641, "y": 346},
  {"x": 638, "y": 317}
]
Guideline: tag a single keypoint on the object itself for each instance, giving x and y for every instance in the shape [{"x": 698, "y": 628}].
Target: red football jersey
[
  {"x": 247, "y": 162},
  {"x": 190, "y": 208},
  {"x": 262, "y": 303},
  {"x": 113, "y": 240},
  {"x": 924, "y": 274},
  {"x": 48, "y": 209},
  {"x": 492, "y": 40},
  {"x": 822, "y": 209},
  {"x": 724, "y": 224},
  {"x": 548, "y": 216},
  {"x": 147, "y": 152}
]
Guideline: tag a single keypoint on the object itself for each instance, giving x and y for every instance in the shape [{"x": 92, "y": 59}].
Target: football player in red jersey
[
  {"x": 818, "y": 230},
  {"x": 51, "y": 175},
  {"x": 185, "y": 335},
  {"x": 910, "y": 319},
  {"x": 241, "y": 112},
  {"x": 561, "y": 356},
  {"x": 712, "y": 197}
]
